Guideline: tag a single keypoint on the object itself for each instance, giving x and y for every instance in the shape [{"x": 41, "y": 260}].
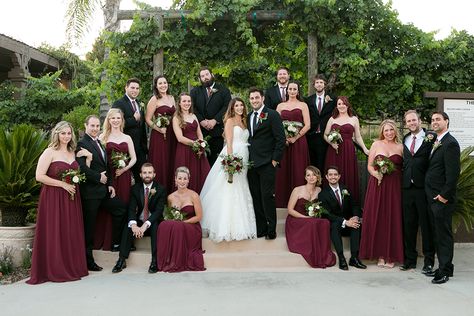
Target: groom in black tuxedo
[
  {"x": 344, "y": 218},
  {"x": 145, "y": 212},
  {"x": 416, "y": 152},
  {"x": 210, "y": 101},
  {"x": 267, "y": 142},
  {"x": 440, "y": 186},
  {"x": 134, "y": 122},
  {"x": 97, "y": 191}
]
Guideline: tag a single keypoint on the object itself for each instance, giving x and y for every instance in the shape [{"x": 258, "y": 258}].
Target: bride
[{"x": 227, "y": 207}]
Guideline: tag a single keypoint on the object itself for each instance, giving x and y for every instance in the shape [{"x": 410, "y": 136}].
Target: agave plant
[
  {"x": 20, "y": 149},
  {"x": 465, "y": 192}
]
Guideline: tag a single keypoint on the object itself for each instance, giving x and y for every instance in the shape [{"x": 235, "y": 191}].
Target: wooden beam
[
  {"x": 312, "y": 48},
  {"x": 449, "y": 95},
  {"x": 257, "y": 15},
  {"x": 15, "y": 46},
  {"x": 158, "y": 62}
]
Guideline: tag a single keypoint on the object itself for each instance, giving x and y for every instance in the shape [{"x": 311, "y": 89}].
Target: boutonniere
[
  {"x": 262, "y": 117},
  {"x": 327, "y": 98},
  {"x": 345, "y": 192},
  {"x": 428, "y": 138},
  {"x": 214, "y": 90},
  {"x": 152, "y": 192},
  {"x": 436, "y": 145}
]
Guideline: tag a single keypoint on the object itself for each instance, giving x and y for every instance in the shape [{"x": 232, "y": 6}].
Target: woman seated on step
[
  {"x": 307, "y": 233},
  {"x": 179, "y": 245}
]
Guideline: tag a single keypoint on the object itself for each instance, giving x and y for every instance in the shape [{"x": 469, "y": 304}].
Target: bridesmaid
[
  {"x": 162, "y": 139},
  {"x": 187, "y": 131},
  {"x": 382, "y": 226},
  {"x": 58, "y": 252},
  {"x": 296, "y": 155},
  {"x": 180, "y": 242},
  {"x": 115, "y": 141},
  {"x": 343, "y": 155},
  {"x": 306, "y": 235}
]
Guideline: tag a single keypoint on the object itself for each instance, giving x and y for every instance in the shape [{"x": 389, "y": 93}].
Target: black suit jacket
[
  {"x": 92, "y": 188},
  {"x": 443, "y": 170},
  {"x": 156, "y": 202},
  {"x": 335, "y": 211},
  {"x": 273, "y": 97},
  {"x": 316, "y": 118},
  {"x": 414, "y": 167},
  {"x": 135, "y": 129},
  {"x": 268, "y": 141},
  {"x": 213, "y": 107}
]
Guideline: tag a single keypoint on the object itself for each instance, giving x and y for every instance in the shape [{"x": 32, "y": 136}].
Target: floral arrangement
[
  {"x": 428, "y": 138},
  {"x": 383, "y": 165},
  {"x": 201, "y": 146},
  {"x": 335, "y": 137},
  {"x": 314, "y": 209},
  {"x": 262, "y": 117},
  {"x": 292, "y": 128},
  {"x": 231, "y": 164},
  {"x": 172, "y": 213},
  {"x": 345, "y": 192},
  {"x": 119, "y": 159},
  {"x": 72, "y": 176},
  {"x": 162, "y": 121},
  {"x": 152, "y": 192},
  {"x": 327, "y": 98},
  {"x": 436, "y": 144}
]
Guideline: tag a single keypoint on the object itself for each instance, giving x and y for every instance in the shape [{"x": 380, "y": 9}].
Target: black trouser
[
  {"x": 141, "y": 159},
  {"x": 415, "y": 214},
  {"x": 127, "y": 240},
  {"x": 317, "y": 147},
  {"x": 337, "y": 231},
  {"x": 262, "y": 188},
  {"x": 215, "y": 145},
  {"x": 90, "y": 207}
]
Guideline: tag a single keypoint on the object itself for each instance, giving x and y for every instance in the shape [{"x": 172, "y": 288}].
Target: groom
[{"x": 267, "y": 142}]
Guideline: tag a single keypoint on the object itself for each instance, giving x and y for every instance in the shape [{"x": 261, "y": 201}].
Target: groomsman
[
  {"x": 320, "y": 105},
  {"x": 440, "y": 186},
  {"x": 416, "y": 152},
  {"x": 277, "y": 93},
  {"x": 97, "y": 191},
  {"x": 134, "y": 122},
  {"x": 145, "y": 212},
  {"x": 344, "y": 218},
  {"x": 210, "y": 101}
]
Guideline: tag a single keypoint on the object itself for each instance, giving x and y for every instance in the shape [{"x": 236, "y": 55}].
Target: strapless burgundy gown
[
  {"x": 198, "y": 166},
  {"x": 162, "y": 151},
  {"x": 179, "y": 245},
  {"x": 346, "y": 160},
  {"x": 122, "y": 184},
  {"x": 310, "y": 237},
  {"x": 382, "y": 217},
  {"x": 295, "y": 160},
  {"x": 59, "y": 248}
]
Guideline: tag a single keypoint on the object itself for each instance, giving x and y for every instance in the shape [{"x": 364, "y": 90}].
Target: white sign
[{"x": 461, "y": 120}]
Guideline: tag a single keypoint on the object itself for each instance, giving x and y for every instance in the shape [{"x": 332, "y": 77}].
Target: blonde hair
[
  {"x": 107, "y": 129},
  {"x": 393, "y": 125},
  {"x": 61, "y": 126},
  {"x": 182, "y": 169},
  {"x": 316, "y": 172}
]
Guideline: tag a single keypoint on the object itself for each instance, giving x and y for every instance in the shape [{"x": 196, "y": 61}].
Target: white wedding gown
[{"x": 227, "y": 207}]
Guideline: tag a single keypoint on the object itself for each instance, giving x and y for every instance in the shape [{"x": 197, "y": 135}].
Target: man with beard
[
  {"x": 145, "y": 212},
  {"x": 320, "y": 107},
  {"x": 210, "y": 101},
  {"x": 278, "y": 94}
]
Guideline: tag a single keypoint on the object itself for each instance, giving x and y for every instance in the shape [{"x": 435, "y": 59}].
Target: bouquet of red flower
[
  {"x": 383, "y": 165},
  {"x": 72, "y": 176},
  {"x": 172, "y": 213},
  {"x": 119, "y": 159},
  {"x": 232, "y": 164},
  {"x": 200, "y": 146}
]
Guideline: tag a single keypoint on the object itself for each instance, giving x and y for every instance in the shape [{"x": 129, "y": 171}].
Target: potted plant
[{"x": 464, "y": 212}]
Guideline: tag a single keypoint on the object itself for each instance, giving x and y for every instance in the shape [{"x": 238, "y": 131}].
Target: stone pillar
[{"x": 19, "y": 73}]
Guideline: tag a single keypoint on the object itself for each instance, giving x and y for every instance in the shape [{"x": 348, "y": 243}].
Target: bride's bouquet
[
  {"x": 162, "y": 120},
  {"x": 200, "y": 146},
  {"x": 292, "y": 128},
  {"x": 119, "y": 159},
  {"x": 315, "y": 209},
  {"x": 72, "y": 176},
  {"x": 232, "y": 164},
  {"x": 335, "y": 137},
  {"x": 384, "y": 166},
  {"x": 172, "y": 213}
]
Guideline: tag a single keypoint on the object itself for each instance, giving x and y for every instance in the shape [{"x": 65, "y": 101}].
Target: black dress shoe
[
  {"x": 115, "y": 248},
  {"x": 271, "y": 236},
  {"x": 133, "y": 248},
  {"x": 343, "y": 264},
  {"x": 94, "y": 267},
  {"x": 407, "y": 267},
  {"x": 119, "y": 266},
  {"x": 440, "y": 279},
  {"x": 429, "y": 272},
  {"x": 153, "y": 268},
  {"x": 355, "y": 262}
]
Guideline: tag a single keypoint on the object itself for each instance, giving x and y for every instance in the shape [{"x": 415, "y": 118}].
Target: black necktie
[{"x": 254, "y": 127}]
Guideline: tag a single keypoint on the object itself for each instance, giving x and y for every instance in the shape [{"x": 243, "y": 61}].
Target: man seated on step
[
  {"x": 345, "y": 218},
  {"x": 145, "y": 212}
]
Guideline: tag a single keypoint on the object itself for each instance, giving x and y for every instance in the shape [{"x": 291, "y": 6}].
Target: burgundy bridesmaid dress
[
  {"x": 162, "y": 151},
  {"x": 295, "y": 160},
  {"x": 59, "y": 248},
  {"x": 179, "y": 245},
  {"x": 198, "y": 166},
  {"x": 382, "y": 217},
  {"x": 310, "y": 237}
]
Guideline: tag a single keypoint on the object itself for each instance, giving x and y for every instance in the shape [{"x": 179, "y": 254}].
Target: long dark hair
[
  {"x": 157, "y": 93},
  {"x": 345, "y": 100},
  {"x": 231, "y": 111}
]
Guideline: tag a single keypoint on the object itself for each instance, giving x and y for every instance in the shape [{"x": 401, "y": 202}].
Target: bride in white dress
[{"x": 228, "y": 212}]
